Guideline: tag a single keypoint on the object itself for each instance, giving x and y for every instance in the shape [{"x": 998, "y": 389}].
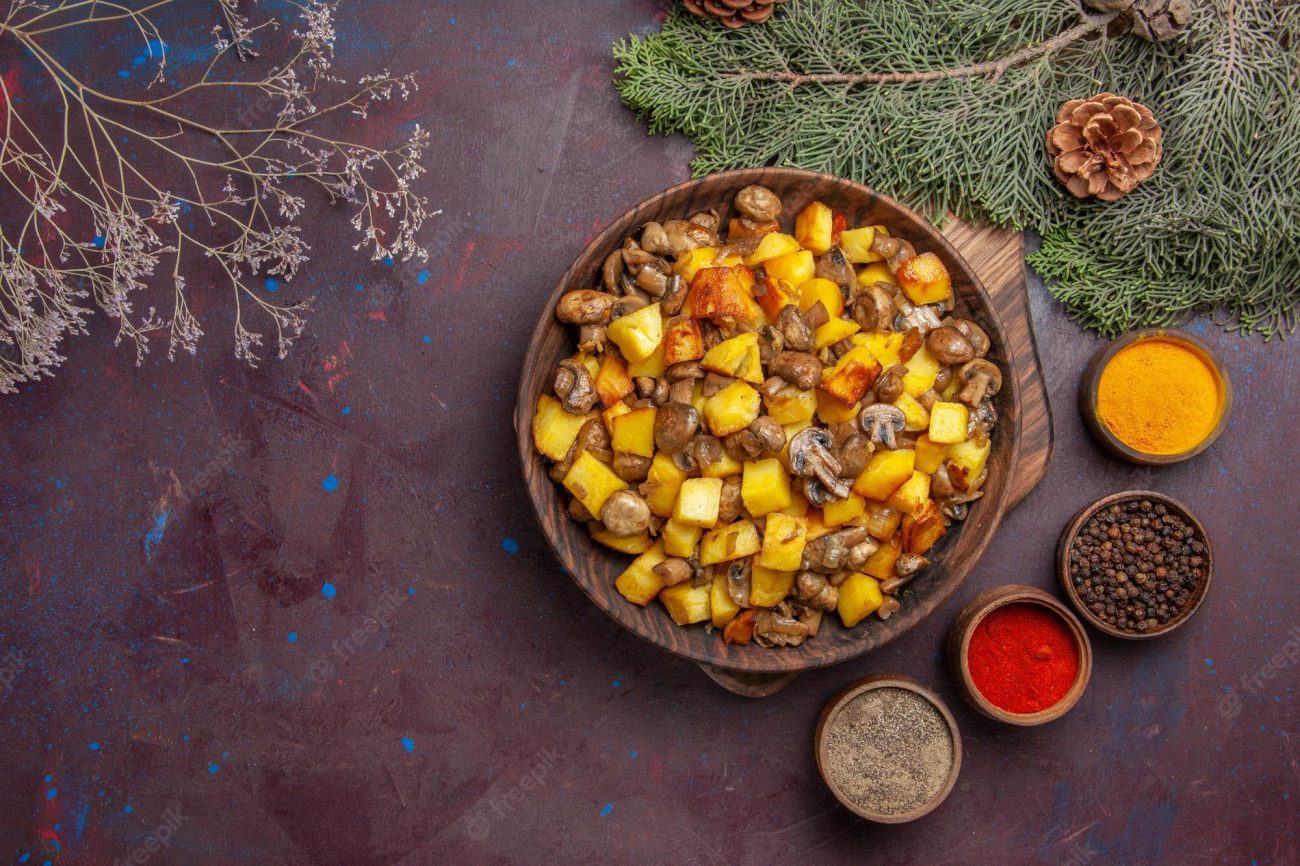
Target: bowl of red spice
[
  {"x": 1135, "y": 564},
  {"x": 1019, "y": 656}
]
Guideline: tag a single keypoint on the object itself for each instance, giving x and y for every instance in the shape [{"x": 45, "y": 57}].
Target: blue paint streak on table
[{"x": 306, "y": 607}]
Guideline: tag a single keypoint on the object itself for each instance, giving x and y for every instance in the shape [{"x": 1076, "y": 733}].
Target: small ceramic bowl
[
  {"x": 1092, "y": 380},
  {"x": 1076, "y": 523},
  {"x": 959, "y": 645},
  {"x": 841, "y": 699}
]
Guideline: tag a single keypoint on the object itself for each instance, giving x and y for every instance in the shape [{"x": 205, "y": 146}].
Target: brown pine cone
[
  {"x": 1104, "y": 146},
  {"x": 733, "y": 13},
  {"x": 1158, "y": 20}
]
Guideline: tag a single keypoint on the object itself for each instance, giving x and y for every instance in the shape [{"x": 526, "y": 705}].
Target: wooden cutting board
[{"x": 998, "y": 256}]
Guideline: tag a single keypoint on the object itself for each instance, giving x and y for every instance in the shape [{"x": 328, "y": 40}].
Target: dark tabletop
[{"x": 173, "y": 670}]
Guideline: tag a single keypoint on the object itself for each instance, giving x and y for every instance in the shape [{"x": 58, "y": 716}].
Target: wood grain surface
[{"x": 595, "y": 568}]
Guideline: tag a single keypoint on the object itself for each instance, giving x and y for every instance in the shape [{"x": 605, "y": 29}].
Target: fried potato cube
[
  {"x": 886, "y": 471},
  {"x": 765, "y": 487},
  {"x": 860, "y": 596},
  {"x": 880, "y": 520},
  {"x": 884, "y": 347},
  {"x": 915, "y": 415},
  {"x": 716, "y": 293},
  {"x": 772, "y": 246},
  {"x": 911, "y": 494},
  {"x": 776, "y": 295},
  {"x": 634, "y": 433},
  {"x": 971, "y": 457},
  {"x": 687, "y": 604},
  {"x": 613, "y": 412},
  {"x": 689, "y": 263},
  {"x": 924, "y": 279},
  {"x": 842, "y": 511},
  {"x": 821, "y": 289},
  {"x": 554, "y": 429},
  {"x": 815, "y": 524},
  {"x": 733, "y": 408},
  {"x": 652, "y": 366},
  {"x": 798, "y": 506},
  {"x": 852, "y": 376},
  {"x": 880, "y": 564},
  {"x": 814, "y": 227},
  {"x": 923, "y": 527},
  {"x": 724, "y": 467},
  {"x": 612, "y": 381},
  {"x": 592, "y": 482},
  {"x": 929, "y": 454},
  {"x": 698, "y": 502},
  {"x": 948, "y": 422},
  {"x": 795, "y": 268},
  {"x": 721, "y": 608},
  {"x": 633, "y": 544},
  {"x": 682, "y": 340},
  {"x": 856, "y": 244},
  {"x": 783, "y": 542},
  {"x": 680, "y": 539},
  {"x": 768, "y": 586},
  {"x": 876, "y": 273},
  {"x": 833, "y": 331},
  {"x": 832, "y": 411},
  {"x": 638, "y": 333},
  {"x": 725, "y": 543},
  {"x": 736, "y": 357},
  {"x": 922, "y": 370},
  {"x": 662, "y": 484},
  {"x": 791, "y": 406},
  {"x": 638, "y": 583}
]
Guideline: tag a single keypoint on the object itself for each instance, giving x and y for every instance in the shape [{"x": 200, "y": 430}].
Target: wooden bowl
[
  {"x": 594, "y": 568},
  {"x": 851, "y": 691},
  {"x": 1076, "y": 523},
  {"x": 1092, "y": 380},
  {"x": 959, "y": 645}
]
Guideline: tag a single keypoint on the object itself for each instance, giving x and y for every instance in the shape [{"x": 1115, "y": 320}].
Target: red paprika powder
[{"x": 1022, "y": 658}]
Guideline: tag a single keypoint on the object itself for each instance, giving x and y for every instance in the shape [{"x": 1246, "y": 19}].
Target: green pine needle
[{"x": 1216, "y": 229}]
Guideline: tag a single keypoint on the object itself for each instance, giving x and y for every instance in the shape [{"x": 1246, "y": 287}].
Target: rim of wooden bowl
[
  {"x": 927, "y": 593},
  {"x": 870, "y": 683},
  {"x": 1072, "y": 530},
  {"x": 959, "y": 648},
  {"x": 1092, "y": 380}
]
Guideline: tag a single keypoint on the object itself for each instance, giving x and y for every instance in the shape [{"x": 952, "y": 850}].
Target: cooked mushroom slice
[
  {"x": 653, "y": 279},
  {"x": 770, "y": 344},
  {"x": 895, "y": 250},
  {"x": 591, "y": 338},
  {"x": 671, "y": 303},
  {"x": 979, "y": 379},
  {"x": 684, "y": 236},
  {"x": 593, "y": 437},
  {"x": 681, "y": 391},
  {"x": 949, "y": 346},
  {"x": 812, "y": 618},
  {"x": 833, "y": 266},
  {"x": 796, "y": 334},
  {"x": 874, "y": 308},
  {"x": 861, "y": 552},
  {"x": 815, "y": 316},
  {"x": 772, "y": 386},
  {"x": 655, "y": 240},
  {"x": 768, "y": 433},
  {"x": 890, "y": 385},
  {"x": 853, "y": 454},
  {"x": 882, "y": 423},
  {"x": 578, "y": 511},
  {"x": 612, "y": 271},
  {"x": 629, "y": 304},
  {"x": 730, "y": 506},
  {"x": 772, "y": 629},
  {"x": 574, "y": 387},
  {"x": 801, "y": 369},
  {"x": 684, "y": 370},
  {"x": 713, "y": 383},
  {"x": 941, "y": 484},
  {"x": 974, "y": 334},
  {"x": 923, "y": 318},
  {"x": 706, "y": 450},
  {"x": 888, "y": 607},
  {"x": 943, "y": 378},
  {"x": 814, "y": 590},
  {"x": 674, "y": 571},
  {"x": 817, "y": 494},
  {"x": 758, "y": 203},
  {"x": 928, "y": 398},
  {"x": 675, "y": 426},
  {"x": 984, "y": 417},
  {"x": 645, "y": 385},
  {"x": 631, "y": 467},
  {"x": 737, "y": 247},
  {"x": 701, "y": 575},
  {"x": 906, "y": 567},
  {"x": 585, "y": 307},
  {"x": 830, "y": 553},
  {"x": 625, "y": 514},
  {"x": 810, "y": 455},
  {"x": 957, "y": 506},
  {"x": 743, "y": 445},
  {"x": 707, "y": 218},
  {"x": 738, "y": 583}
]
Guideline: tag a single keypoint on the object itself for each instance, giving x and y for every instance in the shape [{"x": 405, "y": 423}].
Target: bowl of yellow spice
[{"x": 1155, "y": 396}]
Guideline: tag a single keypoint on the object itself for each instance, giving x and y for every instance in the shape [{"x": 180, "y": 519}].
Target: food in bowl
[{"x": 776, "y": 425}]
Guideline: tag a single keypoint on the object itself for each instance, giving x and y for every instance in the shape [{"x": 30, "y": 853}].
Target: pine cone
[
  {"x": 1158, "y": 20},
  {"x": 733, "y": 13},
  {"x": 1104, "y": 146}
]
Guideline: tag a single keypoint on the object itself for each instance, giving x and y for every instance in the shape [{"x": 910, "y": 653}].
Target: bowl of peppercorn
[{"x": 1135, "y": 564}]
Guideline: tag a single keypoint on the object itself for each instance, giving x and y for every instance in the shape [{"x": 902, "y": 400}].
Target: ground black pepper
[{"x": 1136, "y": 565}]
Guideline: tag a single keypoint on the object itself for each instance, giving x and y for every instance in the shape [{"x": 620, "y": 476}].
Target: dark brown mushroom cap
[
  {"x": 738, "y": 580},
  {"x": 769, "y": 434},
  {"x": 977, "y": 336},
  {"x": 854, "y": 453},
  {"x": 795, "y": 332},
  {"x": 980, "y": 378},
  {"x": 675, "y": 426},
  {"x": 574, "y": 387},
  {"x": 773, "y": 629},
  {"x": 882, "y": 423},
  {"x": 889, "y": 387},
  {"x": 949, "y": 345},
  {"x": 874, "y": 308},
  {"x": 801, "y": 369},
  {"x": 833, "y": 266},
  {"x": 674, "y": 570},
  {"x": 625, "y": 514},
  {"x": 758, "y": 203},
  {"x": 585, "y": 307},
  {"x": 683, "y": 236},
  {"x": 808, "y": 446}
]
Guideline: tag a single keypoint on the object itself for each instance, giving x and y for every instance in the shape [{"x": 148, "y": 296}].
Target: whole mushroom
[
  {"x": 815, "y": 591},
  {"x": 625, "y": 514},
  {"x": 675, "y": 426},
  {"x": 949, "y": 346},
  {"x": 585, "y": 307},
  {"x": 889, "y": 387},
  {"x": 833, "y": 266},
  {"x": 974, "y": 334},
  {"x": 874, "y": 308},
  {"x": 979, "y": 379},
  {"x": 795, "y": 331},
  {"x": 810, "y": 456},
  {"x": 574, "y": 387},
  {"x": 882, "y": 423},
  {"x": 674, "y": 570},
  {"x": 800, "y": 369},
  {"x": 854, "y": 453},
  {"x": 758, "y": 203}
]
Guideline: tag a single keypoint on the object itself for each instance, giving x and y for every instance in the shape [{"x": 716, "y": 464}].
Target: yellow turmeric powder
[{"x": 1159, "y": 396}]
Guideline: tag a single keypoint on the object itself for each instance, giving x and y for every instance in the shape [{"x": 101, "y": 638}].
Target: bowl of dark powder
[{"x": 888, "y": 749}]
